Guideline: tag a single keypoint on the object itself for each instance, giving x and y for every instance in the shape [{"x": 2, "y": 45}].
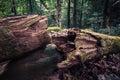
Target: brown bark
[
  {"x": 68, "y": 14},
  {"x": 30, "y": 6},
  {"x": 75, "y": 14},
  {"x": 78, "y": 46},
  {"x": 81, "y": 13},
  {"x": 19, "y": 35},
  {"x": 106, "y": 14},
  {"x": 59, "y": 13},
  {"x": 13, "y": 8}
]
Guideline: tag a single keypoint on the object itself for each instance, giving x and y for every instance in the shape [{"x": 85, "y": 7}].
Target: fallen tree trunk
[
  {"x": 21, "y": 34},
  {"x": 79, "y": 46}
]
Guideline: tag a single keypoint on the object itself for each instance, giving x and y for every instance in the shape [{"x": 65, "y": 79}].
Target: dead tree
[{"x": 21, "y": 34}]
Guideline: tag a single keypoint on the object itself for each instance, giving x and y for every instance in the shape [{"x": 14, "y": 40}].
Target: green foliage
[
  {"x": 88, "y": 14},
  {"x": 113, "y": 31}
]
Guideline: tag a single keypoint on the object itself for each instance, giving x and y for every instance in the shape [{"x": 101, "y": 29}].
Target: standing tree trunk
[
  {"x": 30, "y": 6},
  {"x": 74, "y": 14},
  {"x": 59, "y": 13},
  {"x": 106, "y": 15},
  {"x": 13, "y": 8},
  {"x": 68, "y": 14},
  {"x": 81, "y": 11}
]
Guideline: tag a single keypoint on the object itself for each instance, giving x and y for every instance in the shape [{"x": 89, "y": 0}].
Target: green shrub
[{"x": 113, "y": 31}]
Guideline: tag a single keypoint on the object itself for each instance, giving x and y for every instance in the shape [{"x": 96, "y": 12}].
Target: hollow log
[
  {"x": 79, "y": 46},
  {"x": 21, "y": 34}
]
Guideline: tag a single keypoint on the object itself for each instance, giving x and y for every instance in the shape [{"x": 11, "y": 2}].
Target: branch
[{"x": 116, "y": 2}]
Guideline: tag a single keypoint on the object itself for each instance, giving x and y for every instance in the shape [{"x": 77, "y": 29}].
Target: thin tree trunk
[
  {"x": 30, "y": 6},
  {"x": 59, "y": 13},
  {"x": 106, "y": 14},
  {"x": 81, "y": 11},
  {"x": 74, "y": 14},
  {"x": 68, "y": 14},
  {"x": 27, "y": 6},
  {"x": 23, "y": 7},
  {"x": 14, "y": 8}
]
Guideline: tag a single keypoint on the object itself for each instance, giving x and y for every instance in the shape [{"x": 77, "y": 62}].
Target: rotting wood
[
  {"x": 88, "y": 45},
  {"x": 19, "y": 35}
]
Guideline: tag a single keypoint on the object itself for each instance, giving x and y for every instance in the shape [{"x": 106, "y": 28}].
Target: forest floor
[{"x": 104, "y": 68}]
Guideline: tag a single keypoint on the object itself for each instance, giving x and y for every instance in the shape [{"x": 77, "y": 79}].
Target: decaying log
[
  {"x": 21, "y": 34},
  {"x": 88, "y": 45}
]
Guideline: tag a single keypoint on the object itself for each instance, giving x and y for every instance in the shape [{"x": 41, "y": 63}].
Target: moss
[
  {"x": 103, "y": 36},
  {"x": 31, "y": 21},
  {"x": 71, "y": 57},
  {"x": 24, "y": 25},
  {"x": 116, "y": 46},
  {"x": 8, "y": 44},
  {"x": 88, "y": 29},
  {"x": 81, "y": 55},
  {"x": 65, "y": 62},
  {"x": 82, "y": 34},
  {"x": 109, "y": 43},
  {"x": 11, "y": 46},
  {"x": 54, "y": 29}
]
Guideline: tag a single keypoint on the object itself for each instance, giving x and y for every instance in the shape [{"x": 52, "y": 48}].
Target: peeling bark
[
  {"x": 19, "y": 35},
  {"x": 86, "y": 45}
]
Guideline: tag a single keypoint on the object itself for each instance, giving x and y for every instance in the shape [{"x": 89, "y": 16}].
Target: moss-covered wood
[
  {"x": 19, "y": 35},
  {"x": 107, "y": 44},
  {"x": 88, "y": 45}
]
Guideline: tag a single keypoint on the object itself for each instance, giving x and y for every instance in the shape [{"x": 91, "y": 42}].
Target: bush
[{"x": 113, "y": 31}]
